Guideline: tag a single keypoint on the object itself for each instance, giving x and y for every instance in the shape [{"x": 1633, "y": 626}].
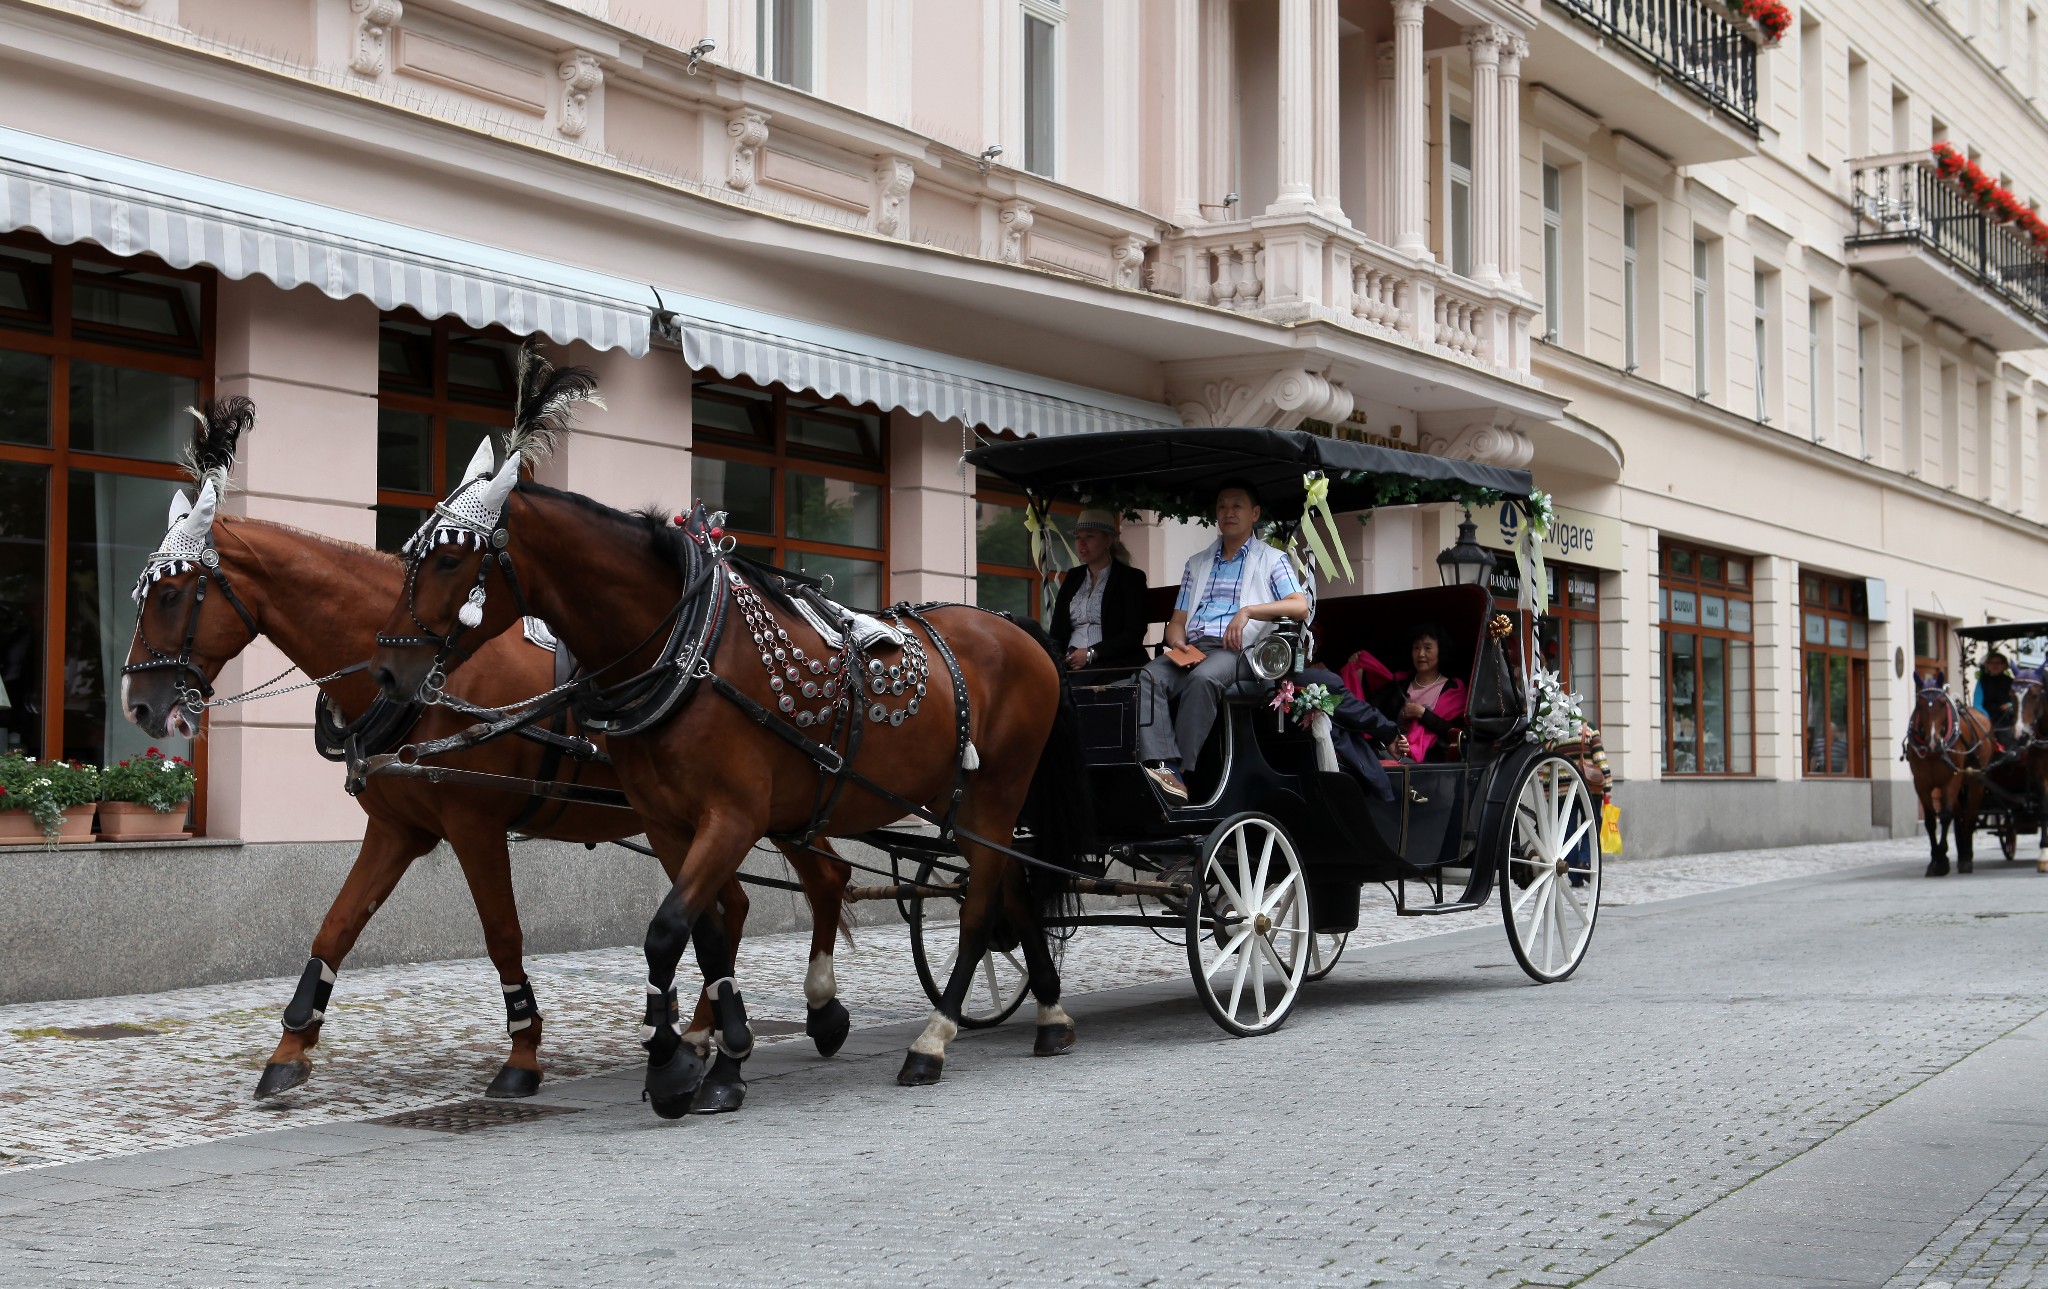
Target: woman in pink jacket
[{"x": 1427, "y": 704}]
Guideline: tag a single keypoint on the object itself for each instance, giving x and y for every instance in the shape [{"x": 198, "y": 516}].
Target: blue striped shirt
[{"x": 1225, "y": 594}]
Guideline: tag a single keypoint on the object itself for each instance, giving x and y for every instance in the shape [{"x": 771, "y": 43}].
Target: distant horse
[
  {"x": 2034, "y": 728},
  {"x": 1948, "y": 747},
  {"x": 732, "y": 689},
  {"x": 319, "y": 600}
]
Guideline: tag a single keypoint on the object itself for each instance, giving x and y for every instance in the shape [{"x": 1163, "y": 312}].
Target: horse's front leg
[
  {"x": 486, "y": 860},
  {"x": 824, "y": 878},
  {"x": 674, "y": 1068},
  {"x": 387, "y": 851}
]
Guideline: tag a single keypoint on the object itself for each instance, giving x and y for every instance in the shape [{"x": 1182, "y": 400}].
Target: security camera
[{"x": 989, "y": 155}]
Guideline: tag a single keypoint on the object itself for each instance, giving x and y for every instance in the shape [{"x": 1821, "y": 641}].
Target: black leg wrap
[
  {"x": 730, "y": 1014},
  {"x": 673, "y": 1069},
  {"x": 722, "y": 1091},
  {"x": 828, "y": 1026},
  {"x": 521, "y": 1010},
  {"x": 919, "y": 1069},
  {"x": 308, "y": 1006}
]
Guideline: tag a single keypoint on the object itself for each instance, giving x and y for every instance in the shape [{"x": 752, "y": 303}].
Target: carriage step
[{"x": 1432, "y": 910}]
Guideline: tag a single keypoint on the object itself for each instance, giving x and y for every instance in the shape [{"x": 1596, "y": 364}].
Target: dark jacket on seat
[
  {"x": 1353, "y": 723},
  {"x": 1123, "y": 615}
]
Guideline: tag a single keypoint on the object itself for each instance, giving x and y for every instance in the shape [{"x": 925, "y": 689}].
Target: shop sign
[{"x": 1576, "y": 536}]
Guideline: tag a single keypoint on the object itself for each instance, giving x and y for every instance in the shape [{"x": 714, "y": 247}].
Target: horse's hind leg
[
  {"x": 824, "y": 879},
  {"x": 732, "y": 909},
  {"x": 926, "y": 1060},
  {"x": 386, "y": 853},
  {"x": 1055, "y": 1028},
  {"x": 723, "y": 1089}
]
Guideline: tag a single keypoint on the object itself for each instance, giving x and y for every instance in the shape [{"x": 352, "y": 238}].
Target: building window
[
  {"x": 99, "y": 358},
  {"x": 1569, "y": 633},
  {"x": 1553, "y": 253},
  {"x": 1866, "y": 385},
  {"x": 1834, "y": 640},
  {"x": 1816, "y": 368},
  {"x": 1763, "y": 288},
  {"x": 1005, "y": 579},
  {"x": 1041, "y": 94},
  {"x": 1631, "y": 302},
  {"x": 1813, "y": 87},
  {"x": 1930, "y": 651},
  {"x": 1704, "y": 606},
  {"x": 803, "y": 483},
  {"x": 1458, "y": 161},
  {"x": 1702, "y": 317},
  {"x": 441, "y": 390},
  {"x": 785, "y": 37}
]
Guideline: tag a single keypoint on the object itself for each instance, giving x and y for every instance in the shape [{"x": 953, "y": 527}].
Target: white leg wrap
[
  {"x": 699, "y": 1040},
  {"x": 938, "y": 1031},
  {"x": 821, "y": 986},
  {"x": 1053, "y": 1015}
]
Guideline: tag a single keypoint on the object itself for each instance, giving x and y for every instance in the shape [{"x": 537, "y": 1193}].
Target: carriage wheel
[
  {"x": 1249, "y": 930},
  {"x": 2009, "y": 838},
  {"x": 999, "y": 987},
  {"x": 1324, "y": 948},
  {"x": 1550, "y": 870}
]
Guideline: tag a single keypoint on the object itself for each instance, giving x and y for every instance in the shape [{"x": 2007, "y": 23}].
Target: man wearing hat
[{"x": 1099, "y": 618}]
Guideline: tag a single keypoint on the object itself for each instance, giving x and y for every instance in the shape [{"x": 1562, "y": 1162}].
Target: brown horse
[
  {"x": 2034, "y": 730},
  {"x": 1947, "y": 747},
  {"x": 714, "y": 765},
  {"x": 319, "y": 600}
]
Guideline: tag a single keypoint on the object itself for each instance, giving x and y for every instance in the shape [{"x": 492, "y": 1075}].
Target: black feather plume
[
  {"x": 547, "y": 402},
  {"x": 222, "y": 423}
]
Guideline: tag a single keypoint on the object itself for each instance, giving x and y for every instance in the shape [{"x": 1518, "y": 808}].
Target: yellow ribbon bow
[
  {"x": 1318, "y": 505},
  {"x": 1038, "y": 522}
]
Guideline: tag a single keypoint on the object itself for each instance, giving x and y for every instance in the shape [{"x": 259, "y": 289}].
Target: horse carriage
[
  {"x": 2012, "y": 805},
  {"x": 710, "y": 702}
]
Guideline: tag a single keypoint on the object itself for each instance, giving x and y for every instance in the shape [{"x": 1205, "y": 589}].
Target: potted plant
[
  {"x": 144, "y": 798},
  {"x": 46, "y": 801}
]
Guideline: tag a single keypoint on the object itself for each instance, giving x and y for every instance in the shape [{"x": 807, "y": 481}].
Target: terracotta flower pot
[
  {"x": 77, "y": 825},
  {"x": 19, "y": 828},
  {"x": 133, "y": 821}
]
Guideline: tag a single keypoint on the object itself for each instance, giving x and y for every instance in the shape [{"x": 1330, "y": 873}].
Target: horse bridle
[
  {"x": 194, "y": 692},
  {"x": 491, "y": 541}
]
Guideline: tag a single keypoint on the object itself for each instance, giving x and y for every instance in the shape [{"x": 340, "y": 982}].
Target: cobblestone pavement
[
  {"x": 402, "y": 1037},
  {"x": 2001, "y": 1243}
]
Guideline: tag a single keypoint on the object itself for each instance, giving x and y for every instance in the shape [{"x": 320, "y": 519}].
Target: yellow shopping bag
[{"x": 1610, "y": 829}]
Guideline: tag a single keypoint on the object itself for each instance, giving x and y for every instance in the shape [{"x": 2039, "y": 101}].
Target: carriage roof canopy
[
  {"x": 1177, "y": 471},
  {"x": 1997, "y": 631}
]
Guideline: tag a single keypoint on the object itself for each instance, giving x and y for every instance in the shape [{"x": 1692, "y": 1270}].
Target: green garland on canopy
[{"x": 1382, "y": 490}]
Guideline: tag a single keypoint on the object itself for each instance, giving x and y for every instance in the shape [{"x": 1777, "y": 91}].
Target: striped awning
[
  {"x": 240, "y": 233},
  {"x": 993, "y": 399}
]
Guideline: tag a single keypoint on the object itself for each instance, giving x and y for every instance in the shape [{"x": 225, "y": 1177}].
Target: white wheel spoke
[
  {"x": 1244, "y": 962},
  {"x": 1536, "y": 886},
  {"x": 1285, "y": 890},
  {"x": 995, "y": 987},
  {"x": 1573, "y": 844},
  {"x": 1265, "y": 867},
  {"x": 1244, "y": 874},
  {"x": 1573, "y": 896},
  {"x": 1258, "y": 953},
  {"x": 1286, "y": 972},
  {"x": 1567, "y": 801},
  {"x": 1223, "y": 955},
  {"x": 1230, "y": 893}
]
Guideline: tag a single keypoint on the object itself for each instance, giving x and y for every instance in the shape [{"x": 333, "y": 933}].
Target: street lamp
[{"x": 1466, "y": 562}]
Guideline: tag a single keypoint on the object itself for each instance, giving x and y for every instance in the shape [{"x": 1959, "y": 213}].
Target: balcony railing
[
  {"x": 1903, "y": 199},
  {"x": 1694, "y": 42}
]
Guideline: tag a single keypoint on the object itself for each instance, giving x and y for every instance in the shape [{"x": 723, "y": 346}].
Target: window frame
[
  {"x": 1815, "y": 595},
  {"x": 440, "y": 402},
  {"x": 1631, "y": 288},
  {"x": 772, "y": 451},
  {"x": 1049, "y": 15},
  {"x": 1457, "y": 196},
  {"x": 59, "y": 459},
  {"x": 1552, "y": 183},
  {"x": 1696, "y": 584},
  {"x": 999, "y": 492},
  {"x": 1926, "y": 663},
  {"x": 768, "y": 49},
  {"x": 1702, "y": 316}
]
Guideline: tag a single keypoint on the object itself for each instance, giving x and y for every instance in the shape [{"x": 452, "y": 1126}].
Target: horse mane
[
  {"x": 352, "y": 548},
  {"x": 670, "y": 542},
  {"x": 211, "y": 454},
  {"x": 547, "y": 400}
]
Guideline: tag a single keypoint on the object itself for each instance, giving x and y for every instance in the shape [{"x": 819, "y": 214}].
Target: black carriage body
[
  {"x": 2013, "y": 805},
  {"x": 1257, "y": 761}
]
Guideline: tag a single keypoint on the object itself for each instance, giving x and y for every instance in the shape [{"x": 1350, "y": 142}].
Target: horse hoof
[
  {"x": 1966, "y": 866},
  {"x": 671, "y": 1085},
  {"x": 920, "y": 1070},
  {"x": 1053, "y": 1040},
  {"x": 512, "y": 1082},
  {"x": 282, "y": 1076},
  {"x": 828, "y": 1026},
  {"x": 1938, "y": 868}
]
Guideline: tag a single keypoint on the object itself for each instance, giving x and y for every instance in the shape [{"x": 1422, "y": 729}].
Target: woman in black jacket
[{"x": 1099, "y": 618}]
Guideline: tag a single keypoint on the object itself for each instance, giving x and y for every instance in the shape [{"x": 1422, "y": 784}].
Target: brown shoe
[{"x": 1168, "y": 780}]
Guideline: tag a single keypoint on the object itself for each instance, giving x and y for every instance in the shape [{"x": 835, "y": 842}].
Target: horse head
[
  {"x": 183, "y": 634},
  {"x": 1934, "y": 725},
  {"x": 446, "y": 609}
]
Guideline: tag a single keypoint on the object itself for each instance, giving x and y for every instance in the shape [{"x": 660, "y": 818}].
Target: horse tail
[{"x": 1060, "y": 806}]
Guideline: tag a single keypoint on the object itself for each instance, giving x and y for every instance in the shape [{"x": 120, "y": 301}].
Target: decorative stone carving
[
  {"x": 748, "y": 130},
  {"x": 1485, "y": 442},
  {"x": 1280, "y": 401},
  {"x": 893, "y": 178},
  {"x": 374, "y": 21},
  {"x": 1016, "y": 219},
  {"x": 580, "y": 73},
  {"x": 1129, "y": 255}
]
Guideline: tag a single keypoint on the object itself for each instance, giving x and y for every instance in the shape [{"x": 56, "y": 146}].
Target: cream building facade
[{"x": 1786, "y": 393}]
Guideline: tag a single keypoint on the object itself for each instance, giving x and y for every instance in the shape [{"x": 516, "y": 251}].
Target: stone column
[
  {"x": 1297, "y": 113},
  {"x": 1187, "y": 110},
  {"x": 1328, "y": 123},
  {"x": 1485, "y": 43},
  {"x": 1511, "y": 55},
  {"x": 1382, "y": 229},
  {"x": 931, "y": 529},
  {"x": 1409, "y": 128},
  {"x": 1219, "y": 106}
]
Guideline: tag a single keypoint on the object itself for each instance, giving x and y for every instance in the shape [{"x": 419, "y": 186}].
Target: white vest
[{"x": 1255, "y": 588}]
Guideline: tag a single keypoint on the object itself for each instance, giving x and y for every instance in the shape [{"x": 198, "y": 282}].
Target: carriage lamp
[{"x": 1466, "y": 562}]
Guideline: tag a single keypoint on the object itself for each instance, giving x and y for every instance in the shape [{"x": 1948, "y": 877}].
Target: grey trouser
[{"x": 1163, "y": 737}]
